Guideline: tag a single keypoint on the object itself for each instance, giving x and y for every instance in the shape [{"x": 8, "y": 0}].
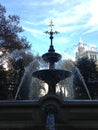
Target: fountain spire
[
  {"x": 51, "y": 24},
  {"x": 51, "y": 57},
  {"x": 51, "y": 33}
]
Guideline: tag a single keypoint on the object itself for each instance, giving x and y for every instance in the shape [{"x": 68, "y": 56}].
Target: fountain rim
[
  {"x": 51, "y": 56},
  {"x": 52, "y": 75}
]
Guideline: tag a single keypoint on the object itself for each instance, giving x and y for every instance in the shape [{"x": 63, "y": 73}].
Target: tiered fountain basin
[
  {"x": 51, "y": 57},
  {"x": 51, "y": 75}
]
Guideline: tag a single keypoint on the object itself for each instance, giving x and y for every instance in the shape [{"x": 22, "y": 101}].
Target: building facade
[{"x": 86, "y": 51}]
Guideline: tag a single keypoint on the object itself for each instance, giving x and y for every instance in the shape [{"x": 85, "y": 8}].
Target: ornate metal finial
[
  {"x": 51, "y": 34},
  {"x": 51, "y": 24}
]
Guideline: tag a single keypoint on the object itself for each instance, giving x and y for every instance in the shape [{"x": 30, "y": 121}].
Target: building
[{"x": 86, "y": 51}]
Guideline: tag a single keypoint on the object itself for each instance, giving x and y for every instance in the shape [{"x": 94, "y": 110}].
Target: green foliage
[
  {"x": 88, "y": 70},
  {"x": 10, "y": 41},
  {"x": 78, "y": 84},
  {"x": 3, "y": 84},
  {"x": 9, "y": 30}
]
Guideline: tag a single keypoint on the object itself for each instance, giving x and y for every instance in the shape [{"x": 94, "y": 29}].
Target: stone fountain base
[{"x": 31, "y": 115}]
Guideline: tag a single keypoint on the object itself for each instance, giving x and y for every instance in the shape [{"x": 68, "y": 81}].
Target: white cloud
[
  {"x": 33, "y": 31},
  {"x": 29, "y": 23},
  {"x": 93, "y": 9},
  {"x": 92, "y": 23},
  {"x": 61, "y": 40},
  {"x": 91, "y": 29},
  {"x": 59, "y": 1},
  {"x": 71, "y": 18},
  {"x": 66, "y": 56}
]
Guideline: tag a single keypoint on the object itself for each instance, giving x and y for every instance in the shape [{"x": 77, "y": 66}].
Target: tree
[
  {"x": 3, "y": 84},
  {"x": 88, "y": 70},
  {"x": 79, "y": 86},
  {"x": 76, "y": 84},
  {"x": 9, "y": 30},
  {"x": 9, "y": 42}
]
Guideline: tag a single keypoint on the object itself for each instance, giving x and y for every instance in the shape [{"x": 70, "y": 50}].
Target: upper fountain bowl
[
  {"x": 52, "y": 76},
  {"x": 51, "y": 57}
]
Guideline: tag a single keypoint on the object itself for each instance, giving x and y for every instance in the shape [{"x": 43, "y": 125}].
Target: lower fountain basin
[{"x": 51, "y": 76}]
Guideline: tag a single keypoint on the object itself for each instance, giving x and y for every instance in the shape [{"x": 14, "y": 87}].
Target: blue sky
[{"x": 72, "y": 18}]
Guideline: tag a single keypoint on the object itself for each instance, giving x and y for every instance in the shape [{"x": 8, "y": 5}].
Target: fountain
[
  {"x": 50, "y": 112},
  {"x": 51, "y": 76}
]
